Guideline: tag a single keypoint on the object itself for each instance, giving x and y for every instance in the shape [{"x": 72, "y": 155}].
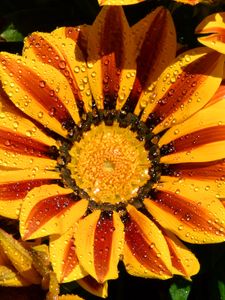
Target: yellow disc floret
[{"x": 109, "y": 163}]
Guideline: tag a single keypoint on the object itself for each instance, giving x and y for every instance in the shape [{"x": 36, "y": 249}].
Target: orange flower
[{"x": 114, "y": 148}]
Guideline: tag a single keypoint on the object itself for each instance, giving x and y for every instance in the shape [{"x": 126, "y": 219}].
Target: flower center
[
  {"x": 111, "y": 158},
  {"x": 109, "y": 163}
]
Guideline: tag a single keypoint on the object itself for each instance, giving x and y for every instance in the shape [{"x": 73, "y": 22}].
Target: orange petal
[
  {"x": 213, "y": 28},
  {"x": 145, "y": 252},
  {"x": 183, "y": 260},
  {"x": 156, "y": 29},
  {"x": 189, "y": 210},
  {"x": 184, "y": 88},
  {"x": 94, "y": 287},
  {"x": 45, "y": 210},
  {"x": 40, "y": 91},
  {"x": 111, "y": 58},
  {"x": 63, "y": 257},
  {"x": 99, "y": 240},
  {"x": 58, "y": 51}
]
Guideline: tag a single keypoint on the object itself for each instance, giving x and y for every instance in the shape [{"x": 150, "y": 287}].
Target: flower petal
[
  {"x": 209, "y": 174},
  {"x": 156, "y": 29},
  {"x": 78, "y": 34},
  {"x": 19, "y": 257},
  {"x": 99, "y": 240},
  {"x": 111, "y": 58},
  {"x": 183, "y": 260},
  {"x": 70, "y": 297},
  {"x": 184, "y": 88},
  {"x": 145, "y": 252},
  {"x": 200, "y": 138},
  {"x": 14, "y": 186},
  {"x": 213, "y": 27},
  {"x": 45, "y": 210},
  {"x": 11, "y": 278},
  {"x": 58, "y": 51},
  {"x": 40, "y": 91},
  {"x": 63, "y": 257},
  {"x": 94, "y": 287},
  {"x": 190, "y": 211},
  {"x": 118, "y": 2}
]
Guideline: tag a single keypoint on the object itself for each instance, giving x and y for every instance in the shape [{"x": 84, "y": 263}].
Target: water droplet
[
  {"x": 62, "y": 64},
  {"x": 42, "y": 83}
]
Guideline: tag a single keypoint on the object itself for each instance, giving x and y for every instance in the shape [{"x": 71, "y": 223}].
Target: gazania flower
[
  {"x": 129, "y": 2},
  {"x": 106, "y": 159}
]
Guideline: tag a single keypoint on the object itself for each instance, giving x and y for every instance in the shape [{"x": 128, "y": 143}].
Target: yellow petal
[
  {"x": 63, "y": 257},
  {"x": 213, "y": 29},
  {"x": 184, "y": 88},
  {"x": 99, "y": 243},
  {"x": 146, "y": 253},
  {"x": 40, "y": 91},
  {"x": 189, "y": 210},
  {"x": 45, "y": 210},
  {"x": 201, "y": 138},
  {"x": 111, "y": 58},
  {"x": 183, "y": 260},
  {"x": 19, "y": 257}
]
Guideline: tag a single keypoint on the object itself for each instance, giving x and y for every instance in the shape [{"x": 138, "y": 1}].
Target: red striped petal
[
  {"x": 18, "y": 143},
  {"x": 156, "y": 29},
  {"x": 148, "y": 256},
  {"x": 214, "y": 170},
  {"x": 103, "y": 244},
  {"x": 183, "y": 89},
  {"x": 18, "y": 190},
  {"x": 48, "y": 53},
  {"x": 28, "y": 80},
  {"x": 98, "y": 243},
  {"x": 195, "y": 139},
  {"x": 45, "y": 210},
  {"x": 111, "y": 58}
]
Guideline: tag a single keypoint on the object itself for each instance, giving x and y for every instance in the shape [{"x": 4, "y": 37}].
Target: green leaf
[
  {"x": 180, "y": 290},
  {"x": 11, "y": 34},
  {"x": 221, "y": 287}
]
